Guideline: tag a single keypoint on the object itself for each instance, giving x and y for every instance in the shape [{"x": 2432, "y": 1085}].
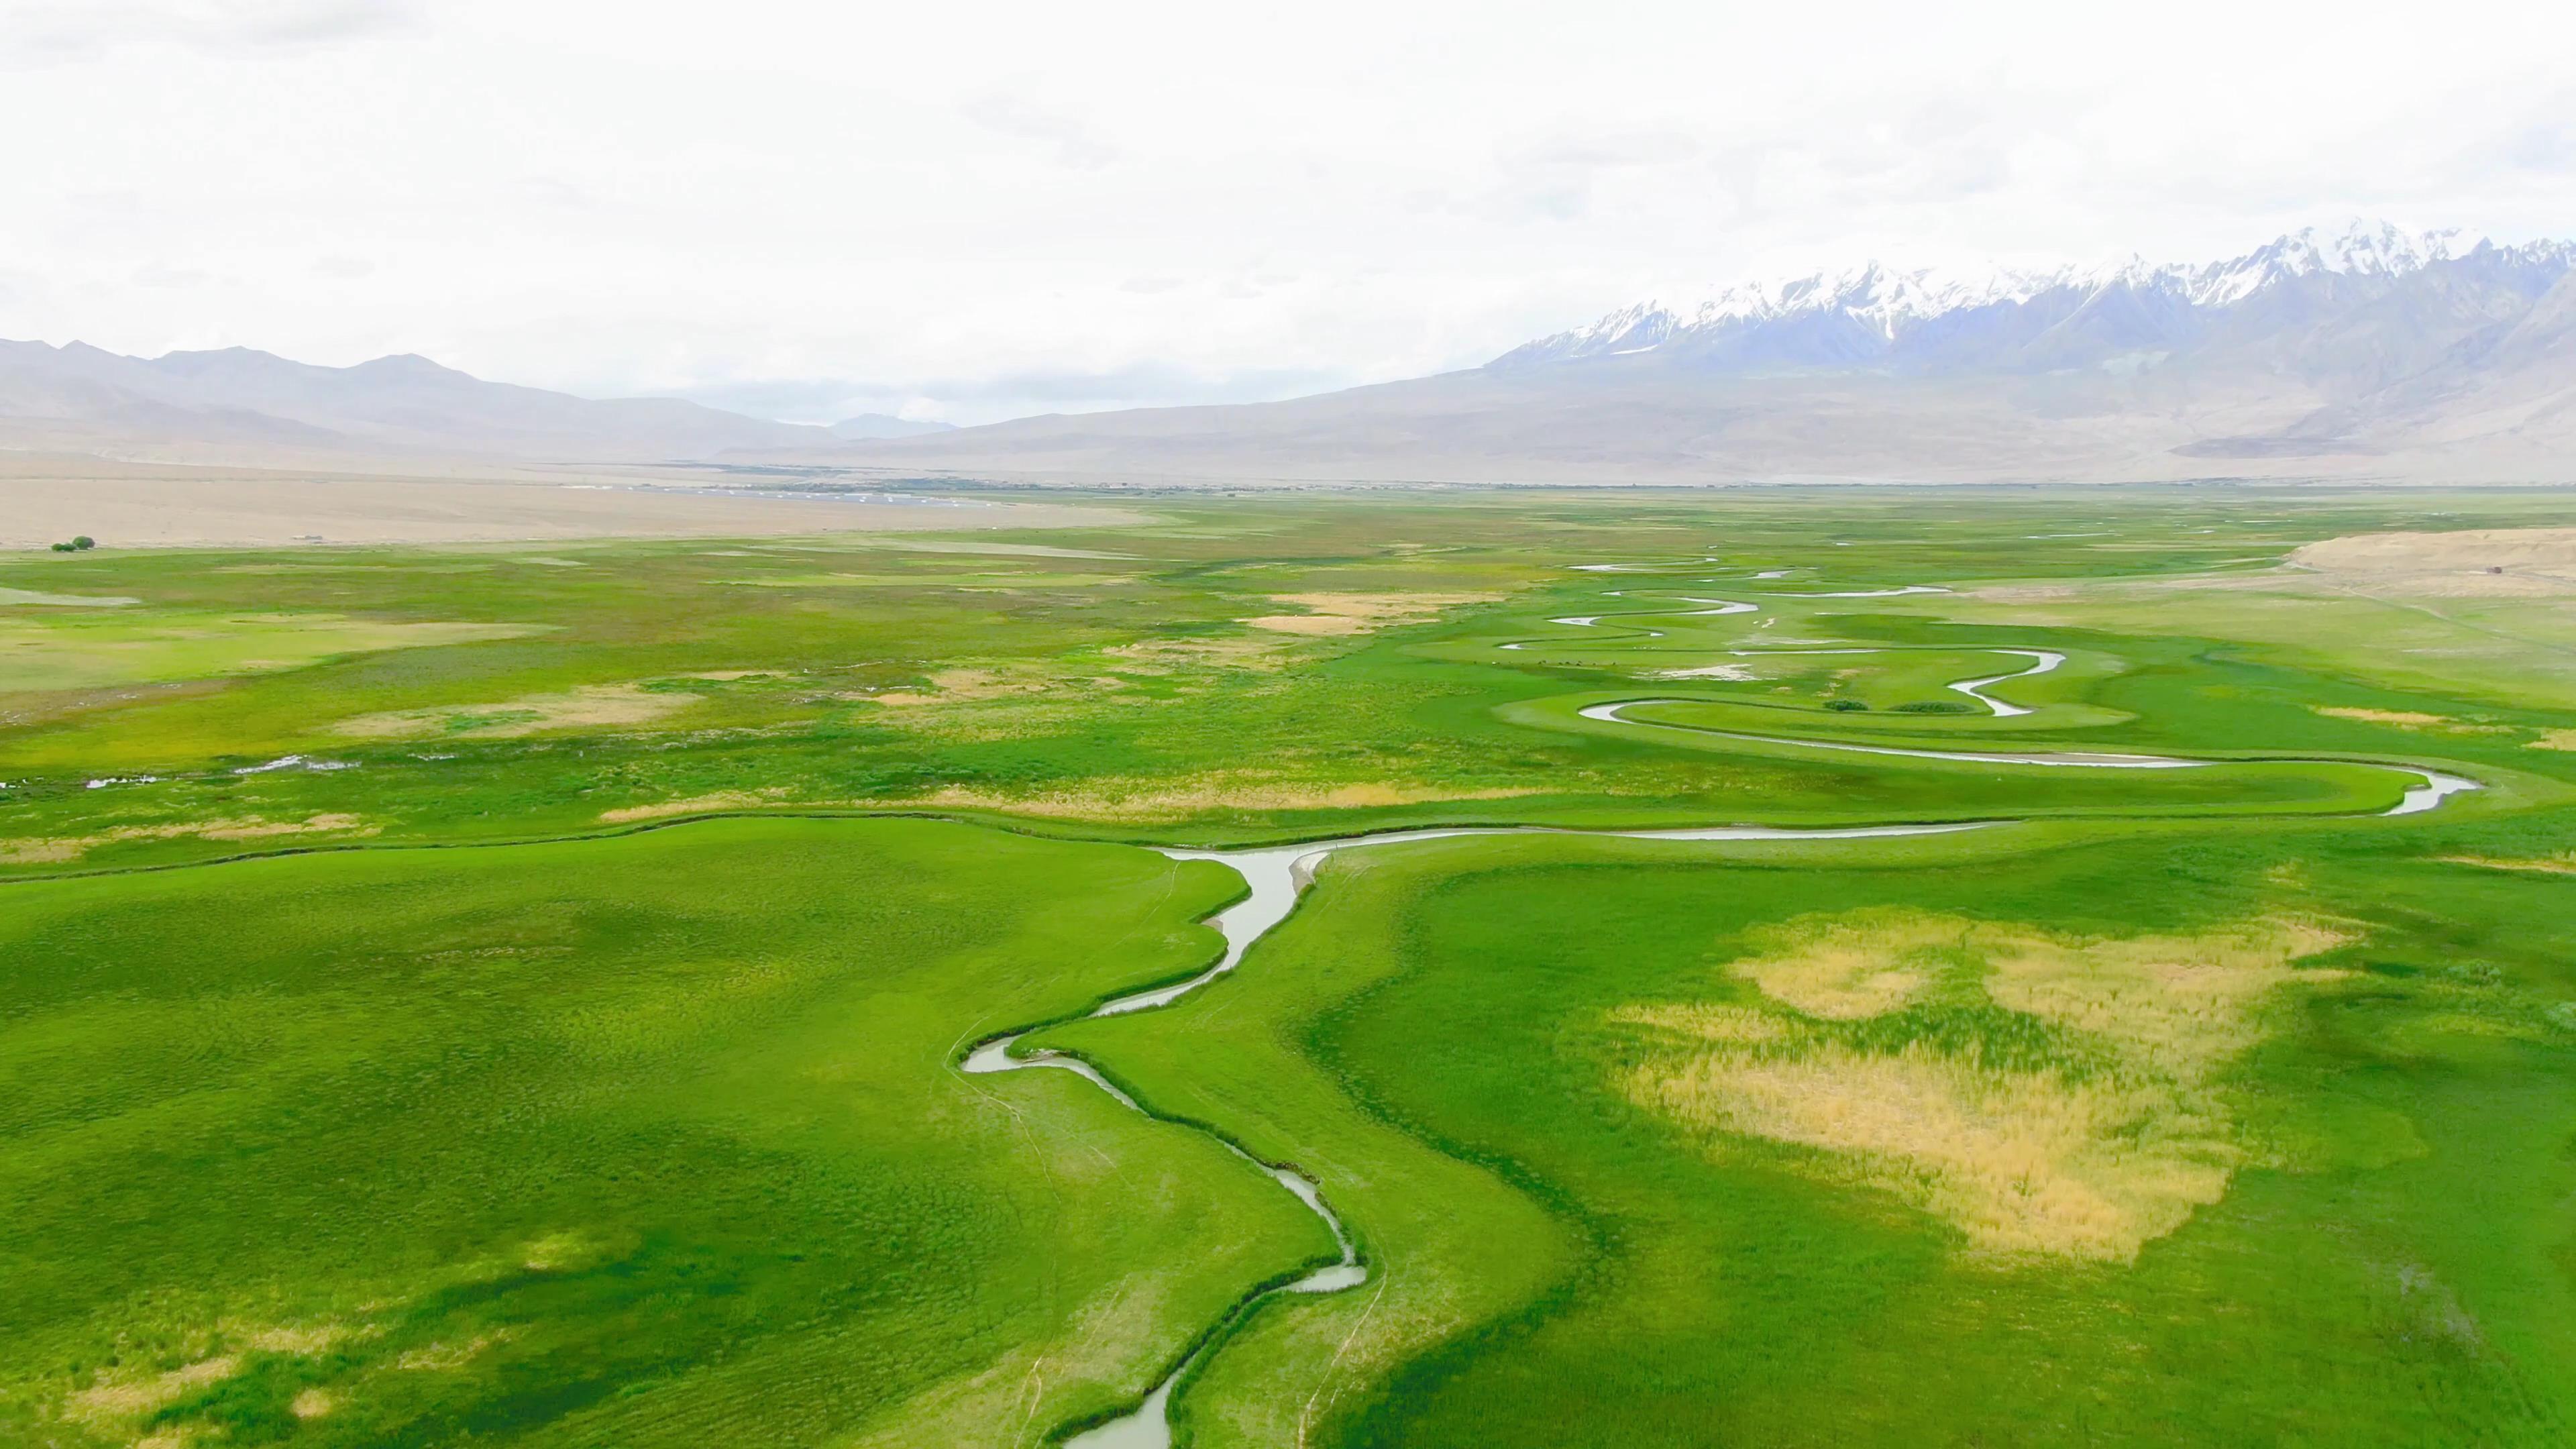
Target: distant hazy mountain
[
  {"x": 237, "y": 402},
  {"x": 2362, "y": 351},
  {"x": 886, "y": 425}
]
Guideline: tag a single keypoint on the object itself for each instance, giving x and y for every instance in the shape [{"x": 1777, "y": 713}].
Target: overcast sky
[{"x": 968, "y": 211}]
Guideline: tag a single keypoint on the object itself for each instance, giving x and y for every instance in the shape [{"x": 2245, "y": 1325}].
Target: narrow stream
[
  {"x": 2436, "y": 787},
  {"x": 2048, "y": 659},
  {"x": 1275, "y": 876}
]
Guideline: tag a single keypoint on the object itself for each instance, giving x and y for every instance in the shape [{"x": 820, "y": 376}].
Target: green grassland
[
  {"x": 626, "y": 1141},
  {"x": 488, "y": 996},
  {"x": 1437, "y": 1036}
]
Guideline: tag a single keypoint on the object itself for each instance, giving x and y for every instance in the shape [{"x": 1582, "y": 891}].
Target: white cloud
[
  {"x": 49, "y": 32},
  {"x": 1015, "y": 115},
  {"x": 978, "y": 208}
]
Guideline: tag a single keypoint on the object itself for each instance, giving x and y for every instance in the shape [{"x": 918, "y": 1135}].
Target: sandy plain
[{"x": 141, "y": 505}]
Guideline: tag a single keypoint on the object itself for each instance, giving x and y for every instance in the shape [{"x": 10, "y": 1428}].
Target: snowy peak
[
  {"x": 2357, "y": 249},
  {"x": 1875, "y": 312},
  {"x": 1885, "y": 299}
]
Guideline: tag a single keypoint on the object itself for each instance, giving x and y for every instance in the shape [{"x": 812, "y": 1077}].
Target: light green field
[{"x": 453, "y": 997}]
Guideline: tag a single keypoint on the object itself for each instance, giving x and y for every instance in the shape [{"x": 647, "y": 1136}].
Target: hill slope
[{"x": 81, "y": 397}]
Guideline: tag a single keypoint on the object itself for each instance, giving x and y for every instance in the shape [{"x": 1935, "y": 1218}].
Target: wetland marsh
[{"x": 1534, "y": 969}]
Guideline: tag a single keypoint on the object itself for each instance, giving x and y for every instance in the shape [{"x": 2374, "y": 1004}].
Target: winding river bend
[{"x": 1275, "y": 876}]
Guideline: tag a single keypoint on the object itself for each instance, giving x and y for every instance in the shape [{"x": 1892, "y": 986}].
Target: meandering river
[{"x": 1275, "y": 876}]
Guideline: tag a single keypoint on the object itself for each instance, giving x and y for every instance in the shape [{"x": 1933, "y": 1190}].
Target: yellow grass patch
[
  {"x": 2086, "y": 1160},
  {"x": 1706, "y": 1021},
  {"x": 584, "y": 706},
  {"x": 313, "y": 1404},
  {"x": 308, "y": 1339},
  {"x": 41, "y": 850},
  {"x": 696, "y": 805},
  {"x": 1181, "y": 799},
  {"x": 1854, "y": 968},
  {"x": 127, "y": 1398},
  {"x": 2554, "y": 865},
  {"x": 961, "y": 686},
  {"x": 1319, "y": 625},
  {"x": 2554, "y": 740},
  {"x": 1162, "y": 656},
  {"x": 66, "y": 601},
  {"x": 1342, "y": 614},
  {"x": 435, "y": 1357},
  {"x": 2467, "y": 1023},
  {"x": 558, "y": 1250},
  {"x": 2407, "y": 719}
]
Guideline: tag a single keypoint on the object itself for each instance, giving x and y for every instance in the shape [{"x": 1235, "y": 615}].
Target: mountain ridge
[
  {"x": 2363, "y": 352},
  {"x": 2360, "y": 351},
  {"x": 1831, "y": 316}
]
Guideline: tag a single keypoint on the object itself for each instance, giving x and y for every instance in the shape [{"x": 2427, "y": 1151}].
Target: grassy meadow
[{"x": 514, "y": 995}]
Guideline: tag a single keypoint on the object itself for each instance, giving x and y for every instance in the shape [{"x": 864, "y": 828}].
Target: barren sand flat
[
  {"x": 2502, "y": 562},
  {"x": 176, "y": 509}
]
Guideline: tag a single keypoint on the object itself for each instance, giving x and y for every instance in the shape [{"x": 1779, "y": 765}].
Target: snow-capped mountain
[
  {"x": 2354, "y": 352},
  {"x": 1878, "y": 317}
]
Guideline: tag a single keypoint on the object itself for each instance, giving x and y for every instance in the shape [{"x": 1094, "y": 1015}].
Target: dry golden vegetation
[
  {"x": 588, "y": 706},
  {"x": 2089, "y": 1120},
  {"x": 1334, "y": 614},
  {"x": 39, "y": 850}
]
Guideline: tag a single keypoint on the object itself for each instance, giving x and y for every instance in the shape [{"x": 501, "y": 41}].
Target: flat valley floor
[{"x": 567, "y": 991}]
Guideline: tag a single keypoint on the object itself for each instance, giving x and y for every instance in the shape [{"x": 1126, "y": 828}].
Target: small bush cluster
[{"x": 77, "y": 545}]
